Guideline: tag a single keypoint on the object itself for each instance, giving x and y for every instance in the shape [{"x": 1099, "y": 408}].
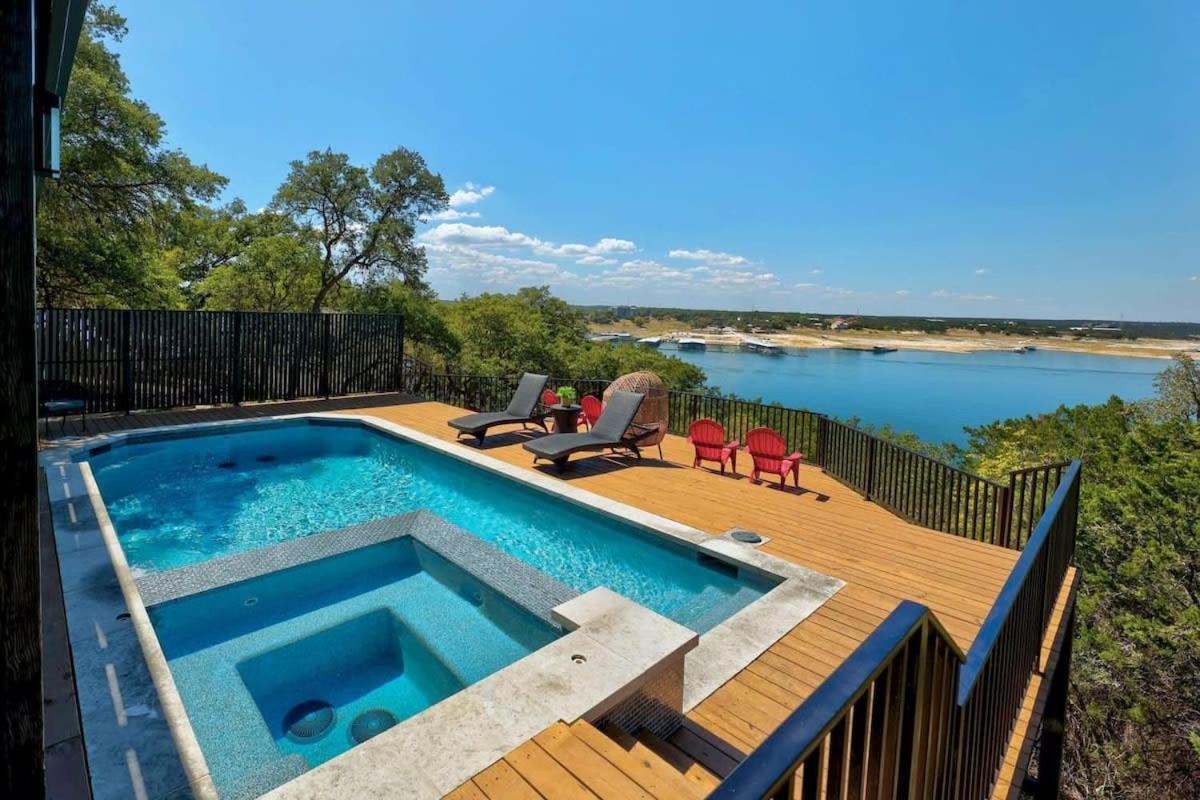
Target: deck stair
[{"x": 579, "y": 760}]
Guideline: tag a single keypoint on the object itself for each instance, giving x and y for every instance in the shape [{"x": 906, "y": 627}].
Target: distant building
[
  {"x": 842, "y": 323},
  {"x": 624, "y": 312}
]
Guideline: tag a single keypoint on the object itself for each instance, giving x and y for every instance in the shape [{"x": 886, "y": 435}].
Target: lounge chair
[
  {"x": 523, "y": 409},
  {"x": 769, "y": 451},
  {"x": 613, "y": 431},
  {"x": 708, "y": 437}
]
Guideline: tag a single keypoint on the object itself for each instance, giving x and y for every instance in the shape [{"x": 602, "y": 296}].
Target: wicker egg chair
[{"x": 652, "y": 418}]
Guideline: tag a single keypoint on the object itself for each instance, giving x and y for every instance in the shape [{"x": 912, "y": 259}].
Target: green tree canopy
[
  {"x": 506, "y": 334},
  {"x": 100, "y": 226},
  {"x": 1134, "y": 721},
  {"x": 364, "y": 220}
]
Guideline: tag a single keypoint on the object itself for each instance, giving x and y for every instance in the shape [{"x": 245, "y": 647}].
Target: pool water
[
  {"x": 182, "y": 500},
  {"x": 283, "y": 672}
]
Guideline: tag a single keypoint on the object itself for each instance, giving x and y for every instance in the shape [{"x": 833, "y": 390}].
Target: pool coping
[{"x": 720, "y": 654}]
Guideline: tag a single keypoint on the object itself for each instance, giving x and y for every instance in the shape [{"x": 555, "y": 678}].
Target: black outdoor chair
[
  {"x": 63, "y": 398},
  {"x": 615, "y": 430},
  {"x": 522, "y": 409}
]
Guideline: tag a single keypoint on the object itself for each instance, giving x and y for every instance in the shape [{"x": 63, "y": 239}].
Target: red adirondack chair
[
  {"x": 769, "y": 451},
  {"x": 708, "y": 437},
  {"x": 549, "y": 398},
  {"x": 592, "y": 408}
]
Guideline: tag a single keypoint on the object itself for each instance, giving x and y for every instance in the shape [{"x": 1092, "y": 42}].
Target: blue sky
[{"x": 1000, "y": 159}]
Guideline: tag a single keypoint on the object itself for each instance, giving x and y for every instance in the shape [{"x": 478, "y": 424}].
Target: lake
[{"x": 932, "y": 394}]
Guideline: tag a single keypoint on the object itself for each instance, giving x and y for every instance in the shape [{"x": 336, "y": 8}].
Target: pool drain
[
  {"x": 371, "y": 723},
  {"x": 265, "y": 459},
  {"x": 227, "y": 465},
  {"x": 309, "y": 721}
]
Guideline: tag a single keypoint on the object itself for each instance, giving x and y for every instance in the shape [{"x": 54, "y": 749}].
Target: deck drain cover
[
  {"x": 371, "y": 723},
  {"x": 742, "y": 535},
  {"x": 309, "y": 720}
]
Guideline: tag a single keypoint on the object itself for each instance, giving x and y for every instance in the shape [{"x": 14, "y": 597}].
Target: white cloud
[
  {"x": 962, "y": 297},
  {"x": 479, "y": 236},
  {"x": 711, "y": 257},
  {"x": 982, "y": 271},
  {"x": 470, "y": 265},
  {"x": 602, "y": 247},
  {"x": 650, "y": 274},
  {"x": 594, "y": 261},
  {"x": 903, "y": 292},
  {"x": 1194, "y": 278},
  {"x": 451, "y": 214},
  {"x": 470, "y": 194},
  {"x": 816, "y": 272},
  {"x": 499, "y": 236}
]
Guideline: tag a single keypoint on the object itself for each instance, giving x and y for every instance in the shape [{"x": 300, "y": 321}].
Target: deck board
[{"x": 823, "y": 525}]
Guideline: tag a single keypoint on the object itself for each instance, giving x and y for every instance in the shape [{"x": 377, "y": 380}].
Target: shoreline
[{"x": 963, "y": 341}]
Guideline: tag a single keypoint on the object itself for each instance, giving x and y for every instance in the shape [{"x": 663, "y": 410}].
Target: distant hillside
[{"x": 782, "y": 321}]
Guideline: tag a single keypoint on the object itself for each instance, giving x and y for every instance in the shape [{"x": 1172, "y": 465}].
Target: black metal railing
[
  {"x": 1029, "y": 491},
  {"x": 879, "y": 726},
  {"x": 914, "y": 486},
  {"x": 127, "y": 360},
  {"x": 907, "y": 714},
  {"x": 1008, "y": 647},
  {"x": 800, "y": 428}
]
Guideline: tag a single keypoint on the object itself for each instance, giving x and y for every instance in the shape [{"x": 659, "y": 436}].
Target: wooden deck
[{"x": 823, "y": 525}]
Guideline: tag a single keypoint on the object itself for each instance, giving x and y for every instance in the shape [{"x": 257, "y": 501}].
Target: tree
[
  {"x": 424, "y": 320},
  {"x": 506, "y": 334},
  {"x": 1134, "y": 720},
  {"x": 1179, "y": 389},
  {"x": 279, "y": 272},
  {"x": 364, "y": 220},
  {"x": 100, "y": 225}
]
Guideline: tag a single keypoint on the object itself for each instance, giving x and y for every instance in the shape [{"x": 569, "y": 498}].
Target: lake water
[{"x": 932, "y": 394}]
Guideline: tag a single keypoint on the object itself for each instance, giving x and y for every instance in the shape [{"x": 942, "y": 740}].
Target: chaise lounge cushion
[
  {"x": 609, "y": 431},
  {"x": 522, "y": 408}
]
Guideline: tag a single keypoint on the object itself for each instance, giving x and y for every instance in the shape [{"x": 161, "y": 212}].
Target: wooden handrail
[{"x": 898, "y": 684}]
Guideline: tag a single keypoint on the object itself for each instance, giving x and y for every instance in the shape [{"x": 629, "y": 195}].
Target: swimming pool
[{"x": 179, "y": 499}]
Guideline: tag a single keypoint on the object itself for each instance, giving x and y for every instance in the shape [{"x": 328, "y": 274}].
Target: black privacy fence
[
  {"x": 912, "y": 485},
  {"x": 909, "y": 714},
  {"x": 124, "y": 360}
]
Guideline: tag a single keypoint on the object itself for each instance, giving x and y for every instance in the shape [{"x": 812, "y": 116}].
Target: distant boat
[
  {"x": 622, "y": 336},
  {"x": 650, "y": 341},
  {"x": 760, "y": 346},
  {"x": 691, "y": 344},
  {"x": 880, "y": 349}
]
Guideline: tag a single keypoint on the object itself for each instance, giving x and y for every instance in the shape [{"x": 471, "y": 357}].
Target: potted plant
[{"x": 567, "y": 395}]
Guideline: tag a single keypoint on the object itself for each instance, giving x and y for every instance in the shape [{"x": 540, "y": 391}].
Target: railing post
[
  {"x": 1050, "y": 747},
  {"x": 1003, "y": 520},
  {"x": 127, "y": 359},
  {"x": 326, "y": 321},
  {"x": 869, "y": 478},
  {"x": 236, "y": 389},
  {"x": 400, "y": 365}
]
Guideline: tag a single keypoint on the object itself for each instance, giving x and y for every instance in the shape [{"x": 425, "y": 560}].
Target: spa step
[{"x": 578, "y": 760}]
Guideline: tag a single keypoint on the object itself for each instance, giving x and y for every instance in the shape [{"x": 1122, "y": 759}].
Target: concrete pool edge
[{"x": 720, "y": 654}]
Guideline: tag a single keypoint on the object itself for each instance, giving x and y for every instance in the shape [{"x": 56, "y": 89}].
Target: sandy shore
[{"x": 954, "y": 341}]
